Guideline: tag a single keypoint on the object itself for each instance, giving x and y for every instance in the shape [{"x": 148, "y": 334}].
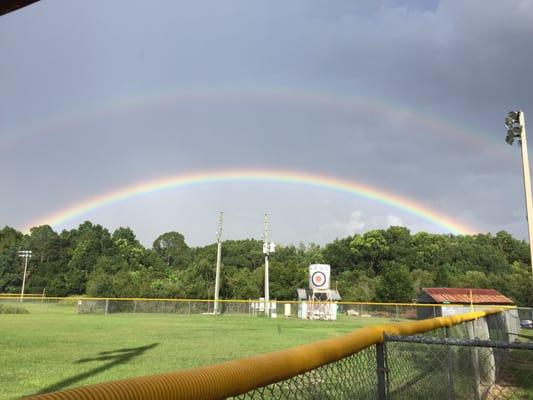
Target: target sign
[
  {"x": 318, "y": 279},
  {"x": 319, "y": 276}
]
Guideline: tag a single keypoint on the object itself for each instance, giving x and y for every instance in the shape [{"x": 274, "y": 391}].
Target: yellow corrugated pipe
[{"x": 232, "y": 378}]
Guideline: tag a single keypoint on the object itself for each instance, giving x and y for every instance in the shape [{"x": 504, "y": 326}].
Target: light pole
[
  {"x": 219, "y": 256},
  {"x": 516, "y": 128},
  {"x": 26, "y": 254}
]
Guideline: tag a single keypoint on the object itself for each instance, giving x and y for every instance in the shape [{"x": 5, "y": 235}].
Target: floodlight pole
[
  {"x": 266, "y": 251},
  {"x": 516, "y": 129},
  {"x": 527, "y": 184},
  {"x": 219, "y": 257},
  {"x": 26, "y": 254}
]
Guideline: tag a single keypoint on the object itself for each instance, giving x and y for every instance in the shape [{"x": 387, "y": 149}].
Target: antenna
[
  {"x": 220, "y": 226},
  {"x": 219, "y": 256},
  {"x": 266, "y": 235}
]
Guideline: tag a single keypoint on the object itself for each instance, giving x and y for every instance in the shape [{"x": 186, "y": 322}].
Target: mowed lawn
[{"x": 53, "y": 347}]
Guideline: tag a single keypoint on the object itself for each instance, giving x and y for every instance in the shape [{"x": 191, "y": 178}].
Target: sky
[{"x": 408, "y": 97}]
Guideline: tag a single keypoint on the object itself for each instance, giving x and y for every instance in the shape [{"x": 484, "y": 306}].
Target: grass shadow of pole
[{"x": 114, "y": 357}]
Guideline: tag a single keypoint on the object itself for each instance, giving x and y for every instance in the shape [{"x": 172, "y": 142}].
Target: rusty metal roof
[{"x": 467, "y": 295}]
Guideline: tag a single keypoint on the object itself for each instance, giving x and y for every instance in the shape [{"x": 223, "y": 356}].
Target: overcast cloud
[{"x": 406, "y": 96}]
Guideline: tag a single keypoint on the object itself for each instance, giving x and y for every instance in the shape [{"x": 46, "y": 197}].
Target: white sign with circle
[{"x": 319, "y": 276}]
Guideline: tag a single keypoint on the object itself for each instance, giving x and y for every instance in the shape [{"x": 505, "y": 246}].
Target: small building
[{"x": 460, "y": 301}]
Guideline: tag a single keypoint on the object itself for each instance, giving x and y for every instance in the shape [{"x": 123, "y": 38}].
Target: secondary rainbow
[
  {"x": 333, "y": 99},
  {"x": 257, "y": 175}
]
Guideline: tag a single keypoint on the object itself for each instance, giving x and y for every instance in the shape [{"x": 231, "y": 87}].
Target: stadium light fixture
[{"x": 516, "y": 129}]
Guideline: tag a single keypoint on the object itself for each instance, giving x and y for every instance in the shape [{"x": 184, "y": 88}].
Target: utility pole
[
  {"x": 268, "y": 248},
  {"x": 266, "y": 251},
  {"x": 516, "y": 128},
  {"x": 219, "y": 256},
  {"x": 26, "y": 254}
]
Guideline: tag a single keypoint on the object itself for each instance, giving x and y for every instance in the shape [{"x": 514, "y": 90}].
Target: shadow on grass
[{"x": 114, "y": 357}]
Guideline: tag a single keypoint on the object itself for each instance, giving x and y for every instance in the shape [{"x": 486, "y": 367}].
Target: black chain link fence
[
  {"x": 424, "y": 368},
  {"x": 352, "y": 377},
  {"x": 482, "y": 360}
]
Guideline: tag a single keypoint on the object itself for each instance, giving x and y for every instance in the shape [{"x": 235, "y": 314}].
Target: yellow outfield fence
[
  {"x": 250, "y": 307},
  {"x": 185, "y": 305},
  {"x": 348, "y": 366},
  {"x": 40, "y": 296},
  {"x": 30, "y": 297}
]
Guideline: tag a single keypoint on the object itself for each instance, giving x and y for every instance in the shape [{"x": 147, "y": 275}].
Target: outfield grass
[{"x": 53, "y": 348}]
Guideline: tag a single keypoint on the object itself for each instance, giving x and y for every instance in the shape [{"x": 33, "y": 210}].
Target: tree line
[{"x": 380, "y": 265}]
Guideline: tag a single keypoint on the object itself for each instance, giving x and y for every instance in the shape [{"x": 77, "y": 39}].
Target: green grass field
[{"x": 53, "y": 348}]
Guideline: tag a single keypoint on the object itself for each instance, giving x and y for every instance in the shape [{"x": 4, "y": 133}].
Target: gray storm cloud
[{"x": 462, "y": 64}]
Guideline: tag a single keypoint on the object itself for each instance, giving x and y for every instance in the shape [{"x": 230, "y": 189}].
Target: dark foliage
[{"x": 381, "y": 265}]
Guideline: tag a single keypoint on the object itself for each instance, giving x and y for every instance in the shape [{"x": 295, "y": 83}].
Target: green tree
[
  {"x": 372, "y": 248},
  {"x": 172, "y": 248},
  {"x": 125, "y": 234},
  {"x": 340, "y": 256},
  {"x": 471, "y": 279},
  {"x": 357, "y": 286},
  {"x": 421, "y": 279},
  {"x": 10, "y": 266},
  {"x": 399, "y": 242},
  {"x": 396, "y": 284}
]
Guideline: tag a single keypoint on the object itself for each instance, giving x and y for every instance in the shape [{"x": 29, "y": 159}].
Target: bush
[{"x": 9, "y": 309}]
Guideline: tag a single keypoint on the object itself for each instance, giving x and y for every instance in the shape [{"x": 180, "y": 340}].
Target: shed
[{"x": 462, "y": 296}]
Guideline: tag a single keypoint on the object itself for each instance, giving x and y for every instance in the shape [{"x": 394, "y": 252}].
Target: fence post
[
  {"x": 449, "y": 356},
  {"x": 475, "y": 360},
  {"x": 106, "y": 305},
  {"x": 381, "y": 355}
]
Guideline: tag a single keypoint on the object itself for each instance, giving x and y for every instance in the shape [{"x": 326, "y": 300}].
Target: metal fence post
[
  {"x": 475, "y": 360},
  {"x": 381, "y": 355},
  {"x": 106, "y": 305},
  {"x": 449, "y": 356}
]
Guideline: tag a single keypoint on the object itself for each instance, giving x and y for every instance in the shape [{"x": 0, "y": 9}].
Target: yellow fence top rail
[
  {"x": 363, "y": 303},
  {"x": 232, "y": 378}
]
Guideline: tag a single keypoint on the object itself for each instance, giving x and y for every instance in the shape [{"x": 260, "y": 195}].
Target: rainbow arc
[{"x": 411, "y": 206}]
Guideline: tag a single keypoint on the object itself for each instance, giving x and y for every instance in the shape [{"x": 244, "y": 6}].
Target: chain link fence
[
  {"x": 419, "y": 367},
  {"x": 353, "y": 377},
  {"x": 483, "y": 359},
  {"x": 479, "y": 355},
  {"x": 394, "y": 312}
]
